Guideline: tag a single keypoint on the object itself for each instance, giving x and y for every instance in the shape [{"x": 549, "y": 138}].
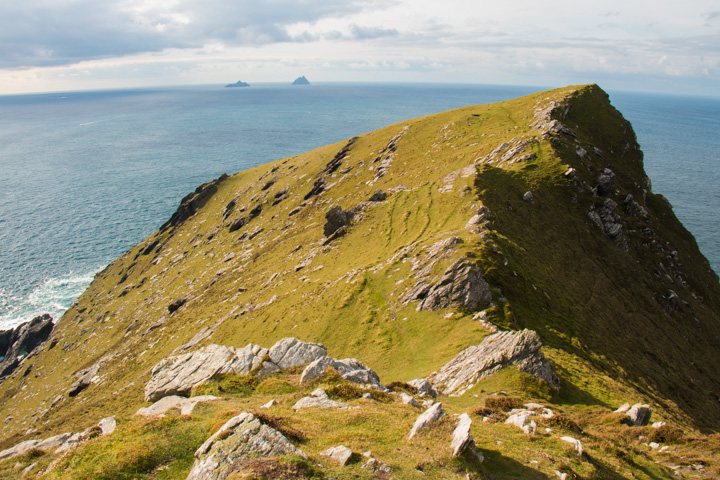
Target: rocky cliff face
[{"x": 403, "y": 248}]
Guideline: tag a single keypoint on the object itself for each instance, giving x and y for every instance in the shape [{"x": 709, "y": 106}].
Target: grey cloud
[
  {"x": 39, "y": 33},
  {"x": 361, "y": 33}
]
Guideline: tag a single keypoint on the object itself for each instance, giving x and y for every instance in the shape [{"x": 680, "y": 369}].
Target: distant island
[
  {"x": 239, "y": 83},
  {"x": 301, "y": 81}
]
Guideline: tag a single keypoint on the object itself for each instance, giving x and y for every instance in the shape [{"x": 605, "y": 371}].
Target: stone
[
  {"x": 86, "y": 378},
  {"x": 605, "y": 182},
  {"x": 408, "y": 399},
  {"x": 240, "y": 437},
  {"x": 350, "y": 369},
  {"x": 341, "y": 454},
  {"x": 521, "y": 420},
  {"x": 424, "y": 388},
  {"x": 623, "y": 408},
  {"x": 318, "y": 402},
  {"x": 185, "y": 405},
  {"x": 461, "y": 286},
  {"x": 561, "y": 475},
  {"x": 23, "y": 447},
  {"x": 107, "y": 425},
  {"x": 520, "y": 349},
  {"x": 605, "y": 217},
  {"x": 575, "y": 443},
  {"x": 269, "y": 404},
  {"x": 373, "y": 465},
  {"x": 639, "y": 415},
  {"x": 16, "y": 344},
  {"x": 430, "y": 416},
  {"x": 291, "y": 352},
  {"x": 378, "y": 196},
  {"x": 462, "y": 441},
  {"x": 178, "y": 374},
  {"x": 658, "y": 424},
  {"x": 528, "y": 197},
  {"x": 335, "y": 219}
]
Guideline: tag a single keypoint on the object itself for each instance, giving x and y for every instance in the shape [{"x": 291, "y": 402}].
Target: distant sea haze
[{"x": 87, "y": 175}]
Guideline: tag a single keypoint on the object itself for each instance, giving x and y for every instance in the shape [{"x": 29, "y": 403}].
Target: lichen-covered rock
[
  {"x": 428, "y": 417},
  {"x": 318, "y": 399},
  {"x": 350, "y": 368},
  {"x": 639, "y": 415},
  {"x": 84, "y": 381},
  {"x": 519, "y": 349},
  {"x": 424, "y": 388},
  {"x": 177, "y": 375},
  {"x": 462, "y": 441},
  {"x": 185, "y": 405},
  {"x": 291, "y": 352},
  {"x": 240, "y": 437},
  {"x": 341, "y": 454},
  {"x": 577, "y": 445},
  {"x": 461, "y": 286}
]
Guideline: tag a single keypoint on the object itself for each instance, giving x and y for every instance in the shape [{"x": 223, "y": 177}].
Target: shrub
[
  {"x": 227, "y": 384},
  {"x": 402, "y": 387},
  {"x": 345, "y": 391},
  {"x": 274, "y": 386},
  {"x": 562, "y": 422},
  {"x": 503, "y": 404},
  {"x": 281, "y": 425},
  {"x": 666, "y": 434}
]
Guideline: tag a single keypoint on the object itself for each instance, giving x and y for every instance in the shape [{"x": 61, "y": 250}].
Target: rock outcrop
[
  {"x": 461, "y": 286},
  {"x": 638, "y": 415},
  {"x": 519, "y": 349},
  {"x": 18, "y": 343},
  {"x": 185, "y": 405},
  {"x": 340, "y": 454},
  {"x": 240, "y": 437},
  {"x": 318, "y": 399},
  {"x": 428, "y": 417},
  {"x": 349, "y": 368},
  {"x": 177, "y": 375},
  {"x": 462, "y": 441}
]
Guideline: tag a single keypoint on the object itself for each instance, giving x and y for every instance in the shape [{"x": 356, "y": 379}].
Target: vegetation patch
[
  {"x": 503, "y": 404},
  {"x": 282, "y": 425},
  {"x": 227, "y": 384}
]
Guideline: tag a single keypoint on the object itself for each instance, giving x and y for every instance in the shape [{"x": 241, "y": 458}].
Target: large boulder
[
  {"x": 638, "y": 415},
  {"x": 291, "y": 352},
  {"x": 519, "y": 349},
  {"x": 241, "y": 437},
  {"x": 19, "y": 343},
  {"x": 350, "y": 369},
  {"x": 462, "y": 441},
  {"x": 462, "y": 285}
]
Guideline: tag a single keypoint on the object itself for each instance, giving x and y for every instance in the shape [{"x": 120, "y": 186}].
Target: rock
[
  {"x": 185, "y": 405},
  {"x": 269, "y": 404},
  {"x": 430, "y": 416},
  {"x": 610, "y": 223},
  {"x": 336, "y": 218},
  {"x": 319, "y": 400},
  {"x": 301, "y": 81},
  {"x": 519, "y": 349},
  {"x": 658, "y": 424},
  {"x": 569, "y": 173},
  {"x": 575, "y": 443},
  {"x": 378, "y": 196},
  {"x": 522, "y": 420},
  {"x": 639, "y": 415},
  {"x": 624, "y": 408},
  {"x": 239, "y": 83},
  {"x": 606, "y": 180},
  {"x": 341, "y": 454},
  {"x": 190, "y": 205},
  {"x": 177, "y": 375},
  {"x": 23, "y": 447},
  {"x": 291, "y": 352},
  {"x": 18, "y": 343},
  {"x": 174, "y": 306},
  {"x": 561, "y": 475},
  {"x": 240, "y": 437},
  {"x": 107, "y": 425},
  {"x": 86, "y": 378},
  {"x": 424, "y": 388},
  {"x": 528, "y": 197},
  {"x": 461, "y": 286},
  {"x": 408, "y": 399},
  {"x": 349, "y": 368},
  {"x": 462, "y": 441},
  {"x": 654, "y": 445},
  {"x": 375, "y": 466}
]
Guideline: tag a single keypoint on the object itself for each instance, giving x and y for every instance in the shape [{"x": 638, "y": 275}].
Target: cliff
[{"x": 403, "y": 248}]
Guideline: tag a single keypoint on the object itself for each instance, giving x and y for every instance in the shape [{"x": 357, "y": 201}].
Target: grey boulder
[
  {"x": 350, "y": 369},
  {"x": 430, "y": 416}
]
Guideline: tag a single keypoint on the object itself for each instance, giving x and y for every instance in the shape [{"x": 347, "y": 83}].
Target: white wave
[{"x": 54, "y": 296}]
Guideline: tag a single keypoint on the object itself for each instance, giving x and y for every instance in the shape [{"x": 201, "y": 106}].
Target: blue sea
[{"x": 86, "y": 175}]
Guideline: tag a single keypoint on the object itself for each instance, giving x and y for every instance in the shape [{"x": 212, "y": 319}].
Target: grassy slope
[{"x": 592, "y": 303}]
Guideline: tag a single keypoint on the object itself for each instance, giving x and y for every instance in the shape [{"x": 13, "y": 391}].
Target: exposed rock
[
  {"x": 107, "y": 425},
  {"x": 86, "y": 378},
  {"x": 378, "y": 196},
  {"x": 319, "y": 184},
  {"x": 341, "y": 454},
  {"x": 318, "y": 399},
  {"x": 47, "y": 444},
  {"x": 424, "y": 388},
  {"x": 350, "y": 369},
  {"x": 623, "y": 408},
  {"x": 575, "y": 443},
  {"x": 408, "y": 399},
  {"x": 462, "y": 441},
  {"x": 336, "y": 218},
  {"x": 240, "y": 437},
  {"x": 177, "y": 375},
  {"x": 606, "y": 180},
  {"x": 291, "y": 352},
  {"x": 519, "y": 349},
  {"x": 193, "y": 202},
  {"x": 174, "y": 306},
  {"x": 522, "y": 420},
  {"x": 185, "y": 405},
  {"x": 430, "y": 416},
  {"x": 461, "y": 286},
  {"x": 18, "y": 343},
  {"x": 269, "y": 404},
  {"x": 528, "y": 197},
  {"x": 374, "y": 465},
  {"x": 639, "y": 415},
  {"x": 301, "y": 81},
  {"x": 610, "y": 223}
]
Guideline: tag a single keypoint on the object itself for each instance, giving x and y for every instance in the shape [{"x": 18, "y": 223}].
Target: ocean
[{"x": 87, "y": 175}]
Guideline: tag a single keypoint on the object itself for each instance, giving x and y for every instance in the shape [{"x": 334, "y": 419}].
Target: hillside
[{"x": 384, "y": 247}]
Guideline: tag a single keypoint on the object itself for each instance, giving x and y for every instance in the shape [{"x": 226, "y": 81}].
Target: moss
[{"x": 227, "y": 384}]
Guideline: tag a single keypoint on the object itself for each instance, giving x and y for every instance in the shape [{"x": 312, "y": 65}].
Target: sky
[{"x": 635, "y": 45}]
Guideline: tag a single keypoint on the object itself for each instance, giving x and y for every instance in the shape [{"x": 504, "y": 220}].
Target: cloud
[{"x": 42, "y": 33}]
